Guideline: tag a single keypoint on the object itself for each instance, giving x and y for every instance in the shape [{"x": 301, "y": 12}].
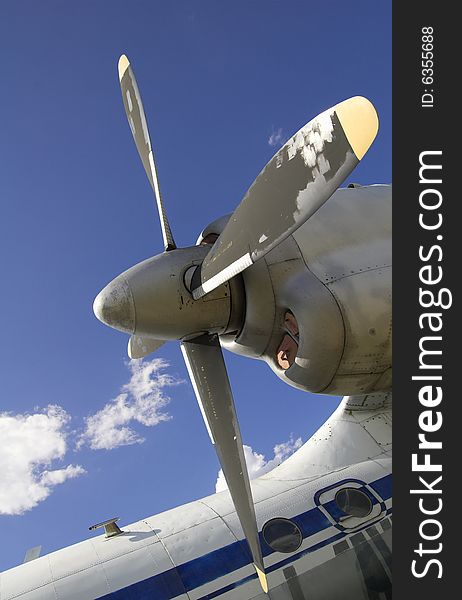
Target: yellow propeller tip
[
  {"x": 360, "y": 123},
  {"x": 262, "y": 579},
  {"x": 124, "y": 63}
]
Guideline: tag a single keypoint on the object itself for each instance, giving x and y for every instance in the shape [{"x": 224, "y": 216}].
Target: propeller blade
[
  {"x": 207, "y": 370},
  {"x": 139, "y": 347},
  {"x": 139, "y": 127},
  {"x": 295, "y": 183}
]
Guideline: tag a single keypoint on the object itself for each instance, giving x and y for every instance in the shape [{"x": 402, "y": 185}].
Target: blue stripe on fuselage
[
  {"x": 214, "y": 564},
  {"x": 223, "y": 561},
  {"x": 383, "y": 486},
  {"x": 163, "y": 586}
]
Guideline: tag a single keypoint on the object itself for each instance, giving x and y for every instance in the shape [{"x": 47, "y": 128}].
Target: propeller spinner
[{"x": 193, "y": 294}]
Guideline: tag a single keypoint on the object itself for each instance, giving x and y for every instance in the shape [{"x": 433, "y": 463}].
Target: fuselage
[{"x": 197, "y": 551}]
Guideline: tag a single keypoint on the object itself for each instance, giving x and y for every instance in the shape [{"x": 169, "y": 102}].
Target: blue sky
[{"x": 219, "y": 81}]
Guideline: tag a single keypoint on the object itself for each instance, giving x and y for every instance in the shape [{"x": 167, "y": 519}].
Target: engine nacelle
[{"x": 318, "y": 307}]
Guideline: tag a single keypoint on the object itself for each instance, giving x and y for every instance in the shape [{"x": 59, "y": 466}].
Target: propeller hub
[
  {"x": 114, "y": 306},
  {"x": 153, "y": 299}
]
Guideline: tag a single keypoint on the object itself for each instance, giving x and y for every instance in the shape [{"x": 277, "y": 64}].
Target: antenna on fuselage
[
  {"x": 32, "y": 554},
  {"x": 110, "y": 527}
]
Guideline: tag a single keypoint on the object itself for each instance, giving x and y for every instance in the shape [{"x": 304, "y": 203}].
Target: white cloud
[
  {"x": 275, "y": 137},
  {"x": 141, "y": 400},
  {"x": 257, "y": 464},
  {"x": 29, "y": 444},
  {"x": 61, "y": 475}
]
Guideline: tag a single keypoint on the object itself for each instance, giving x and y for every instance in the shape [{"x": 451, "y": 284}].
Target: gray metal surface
[
  {"x": 139, "y": 128},
  {"x": 151, "y": 300},
  {"x": 138, "y": 346},
  {"x": 334, "y": 275},
  {"x": 207, "y": 370},
  {"x": 290, "y": 188}
]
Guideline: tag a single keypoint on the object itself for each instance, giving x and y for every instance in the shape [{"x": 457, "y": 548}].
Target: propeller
[
  {"x": 138, "y": 346},
  {"x": 192, "y": 294},
  {"x": 207, "y": 370},
  {"x": 295, "y": 183},
  {"x": 139, "y": 128}
]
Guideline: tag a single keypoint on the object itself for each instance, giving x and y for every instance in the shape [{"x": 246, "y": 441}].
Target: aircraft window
[
  {"x": 353, "y": 502},
  {"x": 282, "y": 535}
]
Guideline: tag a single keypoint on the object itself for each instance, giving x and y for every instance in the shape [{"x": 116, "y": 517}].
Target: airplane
[{"x": 298, "y": 276}]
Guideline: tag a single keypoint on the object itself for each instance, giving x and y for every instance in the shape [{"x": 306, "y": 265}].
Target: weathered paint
[{"x": 292, "y": 187}]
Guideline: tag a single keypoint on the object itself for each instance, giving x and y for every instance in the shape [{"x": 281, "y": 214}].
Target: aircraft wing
[{"x": 358, "y": 430}]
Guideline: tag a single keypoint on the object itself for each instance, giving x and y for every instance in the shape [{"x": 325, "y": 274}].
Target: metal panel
[
  {"x": 82, "y": 586},
  {"x": 132, "y": 538},
  {"x": 365, "y": 302},
  {"x": 150, "y": 565},
  {"x": 198, "y": 540},
  {"x": 73, "y": 559},
  {"x": 46, "y": 592},
  {"x": 379, "y": 428},
  {"x": 25, "y": 577},
  {"x": 201, "y": 541},
  {"x": 180, "y": 518},
  {"x": 341, "y": 441},
  {"x": 368, "y": 402},
  {"x": 350, "y": 222}
]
